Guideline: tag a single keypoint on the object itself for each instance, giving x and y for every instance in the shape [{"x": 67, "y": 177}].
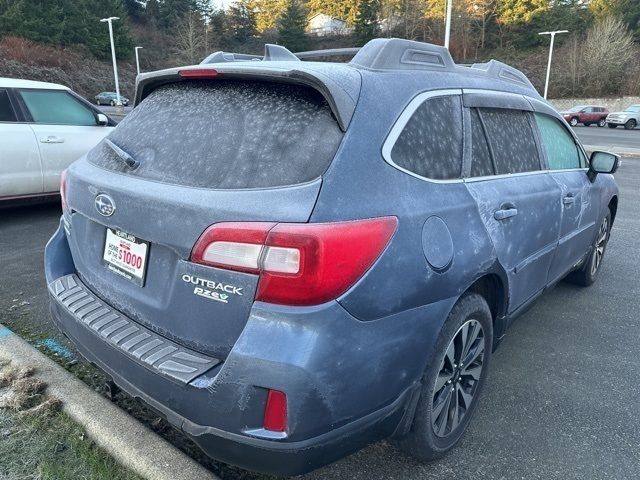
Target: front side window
[
  {"x": 561, "y": 149},
  {"x": 7, "y": 114},
  {"x": 56, "y": 107},
  {"x": 511, "y": 138},
  {"x": 430, "y": 145}
]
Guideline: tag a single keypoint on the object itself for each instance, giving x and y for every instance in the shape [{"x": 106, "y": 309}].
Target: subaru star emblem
[{"x": 105, "y": 205}]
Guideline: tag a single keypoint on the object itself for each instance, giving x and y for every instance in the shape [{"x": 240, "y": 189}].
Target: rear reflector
[
  {"x": 199, "y": 73},
  {"x": 275, "y": 412},
  {"x": 298, "y": 263}
]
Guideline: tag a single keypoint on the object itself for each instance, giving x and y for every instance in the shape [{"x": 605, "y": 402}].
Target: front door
[
  {"x": 65, "y": 130},
  {"x": 569, "y": 170}
]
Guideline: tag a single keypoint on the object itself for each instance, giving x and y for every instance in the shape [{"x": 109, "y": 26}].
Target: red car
[{"x": 587, "y": 115}]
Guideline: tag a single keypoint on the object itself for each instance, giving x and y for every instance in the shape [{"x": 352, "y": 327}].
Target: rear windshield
[{"x": 226, "y": 135}]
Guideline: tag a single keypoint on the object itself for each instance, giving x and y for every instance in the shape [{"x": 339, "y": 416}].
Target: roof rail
[
  {"x": 399, "y": 54},
  {"x": 386, "y": 54}
]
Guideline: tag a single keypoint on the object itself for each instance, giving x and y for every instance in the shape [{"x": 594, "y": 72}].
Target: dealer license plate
[{"x": 126, "y": 255}]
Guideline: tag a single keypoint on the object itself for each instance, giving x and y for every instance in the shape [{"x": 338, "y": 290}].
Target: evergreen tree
[
  {"x": 366, "y": 25},
  {"x": 291, "y": 27},
  {"x": 240, "y": 23}
]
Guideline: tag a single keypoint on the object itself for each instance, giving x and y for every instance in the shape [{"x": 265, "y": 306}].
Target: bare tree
[
  {"x": 189, "y": 38},
  {"x": 606, "y": 54}
]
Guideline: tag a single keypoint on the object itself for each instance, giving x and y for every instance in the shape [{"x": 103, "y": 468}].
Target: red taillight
[
  {"x": 63, "y": 189},
  {"x": 275, "y": 412},
  {"x": 298, "y": 264},
  {"x": 199, "y": 73}
]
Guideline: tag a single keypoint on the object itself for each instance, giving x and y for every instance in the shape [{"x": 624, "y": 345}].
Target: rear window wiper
[{"x": 122, "y": 155}]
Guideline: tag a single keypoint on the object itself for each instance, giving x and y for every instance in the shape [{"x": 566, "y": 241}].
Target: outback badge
[{"x": 212, "y": 290}]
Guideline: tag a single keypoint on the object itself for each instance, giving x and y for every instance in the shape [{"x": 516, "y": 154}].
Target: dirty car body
[{"x": 296, "y": 236}]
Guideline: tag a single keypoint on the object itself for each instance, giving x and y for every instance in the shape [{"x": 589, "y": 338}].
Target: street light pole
[
  {"x": 553, "y": 37},
  {"x": 447, "y": 29},
  {"x": 138, "y": 60},
  {"x": 113, "y": 57}
]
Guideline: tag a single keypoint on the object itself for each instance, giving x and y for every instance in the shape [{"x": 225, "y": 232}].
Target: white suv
[{"x": 43, "y": 128}]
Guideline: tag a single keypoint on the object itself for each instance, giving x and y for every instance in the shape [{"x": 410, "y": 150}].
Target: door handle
[
  {"x": 51, "y": 139},
  {"x": 568, "y": 199},
  {"x": 507, "y": 210}
]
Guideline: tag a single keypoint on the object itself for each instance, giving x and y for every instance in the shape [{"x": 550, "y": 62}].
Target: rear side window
[
  {"x": 6, "y": 110},
  {"x": 562, "y": 151},
  {"x": 430, "y": 145},
  {"x": 226, "y": 135},
  {"x": 57, "y": 107},
  {"x": 512, "y": 142},
  {"x": 481, "y": 163}
]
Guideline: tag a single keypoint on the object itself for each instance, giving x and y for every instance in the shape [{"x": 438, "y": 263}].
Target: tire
[
  {"x": 97, "y": 102},
  {"x": 434, "y": 432},
  {"x": 612, "y": 125},
  {"x": 589, "y": 272},
  {"x": 630, "y": 125},
  {"x": 602, "y": 122},
  {"x": 573, "y": 122},
  {"x": 112, "y": 103}
]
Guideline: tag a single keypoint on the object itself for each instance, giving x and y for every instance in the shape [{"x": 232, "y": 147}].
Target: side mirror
[
  {"x": 603, "y": 162},
  {"x": 102, "y": 119}
]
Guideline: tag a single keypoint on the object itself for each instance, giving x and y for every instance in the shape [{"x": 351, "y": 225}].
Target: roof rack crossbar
[{"x": 330, "y": 52}]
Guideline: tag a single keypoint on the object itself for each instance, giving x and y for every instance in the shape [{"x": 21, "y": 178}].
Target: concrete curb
[
  {"x": 624, "y": 151},
  {"x": 124, "y": 438}
]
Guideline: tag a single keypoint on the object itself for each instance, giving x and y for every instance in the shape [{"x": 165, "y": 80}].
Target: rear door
[
  {"x": 65, "y": 129},
  {"x": 569, "y": 169},
  {"x": 20, "y": 167},
  {"x": 516, "y": 198}
]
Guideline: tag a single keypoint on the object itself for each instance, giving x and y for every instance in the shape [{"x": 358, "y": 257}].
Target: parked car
[
  {"x": 630, "y": 118},
  {"x": 110, "y": 98},
  {"x": 43, "y": 128},
  {"x": 586, "y": 115},
  {"x": 331, "y": 258}
]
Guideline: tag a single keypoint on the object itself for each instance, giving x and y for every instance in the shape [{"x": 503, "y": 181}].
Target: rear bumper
[
  {"x": 348, "y": 383},
  {"x": 279, "y": 458}
]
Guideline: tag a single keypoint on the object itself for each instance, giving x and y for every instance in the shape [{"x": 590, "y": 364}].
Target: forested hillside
[{"x": 63, "y": 40}]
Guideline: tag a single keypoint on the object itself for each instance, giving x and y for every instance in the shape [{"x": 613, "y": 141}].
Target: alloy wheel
[
  {"x": 458, "y": 378},
  {"x": 601, "y": 242}
]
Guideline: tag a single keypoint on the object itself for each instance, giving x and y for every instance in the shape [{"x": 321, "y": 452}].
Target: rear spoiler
[{"x": 341, "y": 96}]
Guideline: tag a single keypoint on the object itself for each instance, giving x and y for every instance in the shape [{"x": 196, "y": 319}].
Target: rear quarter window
[
  {"x": 226, "y": 135},
  {"x": 430, "y": 145}
]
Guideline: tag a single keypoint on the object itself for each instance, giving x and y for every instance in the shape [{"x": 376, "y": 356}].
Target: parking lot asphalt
[
  {"x": 561, "y": 401},
  {"x": 608, "y": 137}
]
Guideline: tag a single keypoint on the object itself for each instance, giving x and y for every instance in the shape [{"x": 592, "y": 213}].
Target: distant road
[{"x": 609, "y": 137}]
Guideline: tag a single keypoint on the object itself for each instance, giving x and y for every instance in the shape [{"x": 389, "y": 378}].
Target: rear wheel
[
  {"x": 630, "y": 125},
  {"x": 573, "y": 122},
  {"x": 612, "y": 125},
  {"x": 602, "y": 122},
  {"x": 452, "y": 381},
  {"x": 113, "y": 103},
  {"x": 589, "y": 271}
]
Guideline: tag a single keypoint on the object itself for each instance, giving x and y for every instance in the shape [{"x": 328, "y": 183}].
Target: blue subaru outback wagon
[{"x": 290, "y": 260}]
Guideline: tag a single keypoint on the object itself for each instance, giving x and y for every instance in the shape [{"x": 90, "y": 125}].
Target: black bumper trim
[{"x": 145, "y": 347}]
